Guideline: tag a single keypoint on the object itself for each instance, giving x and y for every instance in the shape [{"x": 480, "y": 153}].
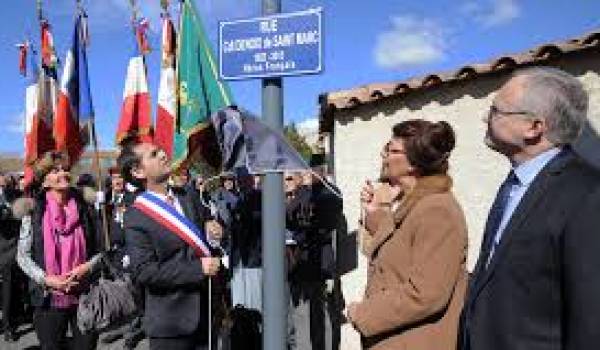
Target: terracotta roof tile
[{"x": 351, "y": 98}]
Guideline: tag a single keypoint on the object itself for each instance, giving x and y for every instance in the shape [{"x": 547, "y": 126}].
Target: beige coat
[{"x": 416, "y": 276}]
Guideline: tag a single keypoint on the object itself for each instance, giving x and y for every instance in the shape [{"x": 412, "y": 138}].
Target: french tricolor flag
[
  {"x": 74, "y": 116},
  {"x": 38, "y": 113},
  {"x": 135, "y": 120},
  {"x": 31, "y": 108},
  {"x": 167, "y": 90}
]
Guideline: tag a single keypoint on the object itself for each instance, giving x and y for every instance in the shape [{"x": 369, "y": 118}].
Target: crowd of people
[
  {"x": 534, "y": 286},
  {"x": 64, "y": 247}
]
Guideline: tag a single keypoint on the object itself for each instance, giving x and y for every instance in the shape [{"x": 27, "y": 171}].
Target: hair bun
[
  {"x": 442, "y": 137},
  {"x": 428, "y": 144}
]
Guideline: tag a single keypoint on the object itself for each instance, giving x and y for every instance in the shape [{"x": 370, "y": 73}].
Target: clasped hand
[{"x": 66, "y": 283}]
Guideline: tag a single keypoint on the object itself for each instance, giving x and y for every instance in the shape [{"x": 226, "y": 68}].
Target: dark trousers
[
  {"x": 191, "y": 342},
  {"x": 51, "y": 328},
  {"x": 11, "y": 295}
]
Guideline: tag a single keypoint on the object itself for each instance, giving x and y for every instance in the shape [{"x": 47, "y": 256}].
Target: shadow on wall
[{"x": 588, "y": 146}]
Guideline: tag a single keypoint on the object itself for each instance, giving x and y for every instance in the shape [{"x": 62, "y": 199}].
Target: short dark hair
[
  {"x": 86, "y": 180},
  {"x": 427, "y": 144},
  {"x": 128, "y": 160}
]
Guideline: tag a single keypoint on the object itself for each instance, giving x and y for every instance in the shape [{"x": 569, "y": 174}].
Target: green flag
[{"x": 201, "y": 93}]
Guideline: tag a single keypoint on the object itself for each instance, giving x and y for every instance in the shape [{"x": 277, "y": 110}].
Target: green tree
[{"x": 297, "y": 141}]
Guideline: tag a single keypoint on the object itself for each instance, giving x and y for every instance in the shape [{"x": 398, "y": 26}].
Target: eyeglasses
[
  {"x": 391, "y": 151},
  {"x": 289, "y": 178},
  {"x": 496, "y": 112}
]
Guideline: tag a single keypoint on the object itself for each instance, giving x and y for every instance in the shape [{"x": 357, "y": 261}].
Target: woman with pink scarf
[{"x": 59, "y": 250}]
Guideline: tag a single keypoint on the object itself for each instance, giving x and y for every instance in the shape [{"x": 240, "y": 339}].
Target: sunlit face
[
  {"x": 200, "y": 183},
  {"x": 394, "y": 162},
  {"x": 58, "y": 179},
  {"x": 180, "y": 180},
  {"x": 2, "y": 180},
  {"x": 508, "y": 126},
  {"x": 307, "y": 178},
  {"x": 228, "y": 184},
  {"x": 154, "y": 164},
  {"x": 291, "y": 182},
  {"x": 117, "y": 183}
]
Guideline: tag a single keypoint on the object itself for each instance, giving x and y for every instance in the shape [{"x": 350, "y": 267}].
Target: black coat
[
  {"x": 541, "y": 290},
  {"x": 165, "y": 265},
  {"x": 312, "y": 215},
  {"x": 9, "y": 228},
  {"x": 246, "y": 233}
]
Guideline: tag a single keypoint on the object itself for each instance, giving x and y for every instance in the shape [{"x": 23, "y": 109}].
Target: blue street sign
[{"x": 273, "y": 46}]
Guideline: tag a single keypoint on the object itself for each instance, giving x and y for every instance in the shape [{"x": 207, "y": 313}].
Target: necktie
[{"x": 496, "y": 213}]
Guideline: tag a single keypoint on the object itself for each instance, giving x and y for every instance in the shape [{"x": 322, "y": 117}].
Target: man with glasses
[{"x": 536, "y": 285}]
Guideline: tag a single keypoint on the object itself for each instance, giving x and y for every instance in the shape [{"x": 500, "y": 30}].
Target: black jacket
[
  {"x": 165, "y": 265},
  {"x": 245, "y": 241},
  {"x": 312, "y": 216},
  {"x": 541, "y": 289},
  {"x": 9, "y": 228}
]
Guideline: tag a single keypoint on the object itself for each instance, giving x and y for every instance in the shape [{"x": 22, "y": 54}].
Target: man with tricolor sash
[{"x": 167, "y": 240}]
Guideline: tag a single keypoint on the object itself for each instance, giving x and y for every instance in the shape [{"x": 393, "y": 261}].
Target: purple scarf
[{"x": 64, "y": 244}]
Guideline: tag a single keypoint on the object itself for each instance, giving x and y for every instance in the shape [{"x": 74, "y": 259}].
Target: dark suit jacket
[
  {"x": 541, "y": 291},
  {"x": 175, "y": 287},
  {"x": 246, "y": 232}
]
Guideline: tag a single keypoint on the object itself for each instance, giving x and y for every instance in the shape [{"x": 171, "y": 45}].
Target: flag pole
[
  {"x": 209, "y": 312},
  {"x": 97, "y": 165},
  {"x": 134, "y": 13},
  {"x": 39, "y": 10},
  {"x": 275, "y": 305},
  {"x": 164, "y": 4}
]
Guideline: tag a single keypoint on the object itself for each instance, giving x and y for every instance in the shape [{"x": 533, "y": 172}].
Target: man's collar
[{"x": 528, "y": 170}]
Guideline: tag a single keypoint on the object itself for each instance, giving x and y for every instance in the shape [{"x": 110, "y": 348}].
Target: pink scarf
[{"x": 64, "y": 244}]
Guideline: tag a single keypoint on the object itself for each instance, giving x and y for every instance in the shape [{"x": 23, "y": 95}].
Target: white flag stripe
[
  {"x": 173, "y": 220},
  {"x": 136, "y": 77}
]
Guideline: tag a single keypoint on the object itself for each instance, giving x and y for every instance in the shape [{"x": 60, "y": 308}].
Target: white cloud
[
  {"x": 494, "y": 13},
  {"x": 16, "y": 124},
  {"x": 310, "y": 125},
  {"x": 412, "y": 41}
]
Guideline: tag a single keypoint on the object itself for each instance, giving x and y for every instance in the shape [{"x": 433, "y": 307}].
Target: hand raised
[
  {"x": 374, "y": 197},
  {"x": 210, "y": 266},
  {"x": 214, "y": 230},
  {"x": 367, "y": 192}
]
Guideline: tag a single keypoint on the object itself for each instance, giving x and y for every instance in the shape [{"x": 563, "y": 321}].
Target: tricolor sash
[{"x": 169, "y": 217}]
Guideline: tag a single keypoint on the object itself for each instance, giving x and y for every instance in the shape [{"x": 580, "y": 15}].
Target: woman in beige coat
[{"x": 416, "y": 246}]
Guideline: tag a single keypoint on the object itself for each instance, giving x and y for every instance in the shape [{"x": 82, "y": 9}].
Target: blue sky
[{"x": 364, "y": 42}]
